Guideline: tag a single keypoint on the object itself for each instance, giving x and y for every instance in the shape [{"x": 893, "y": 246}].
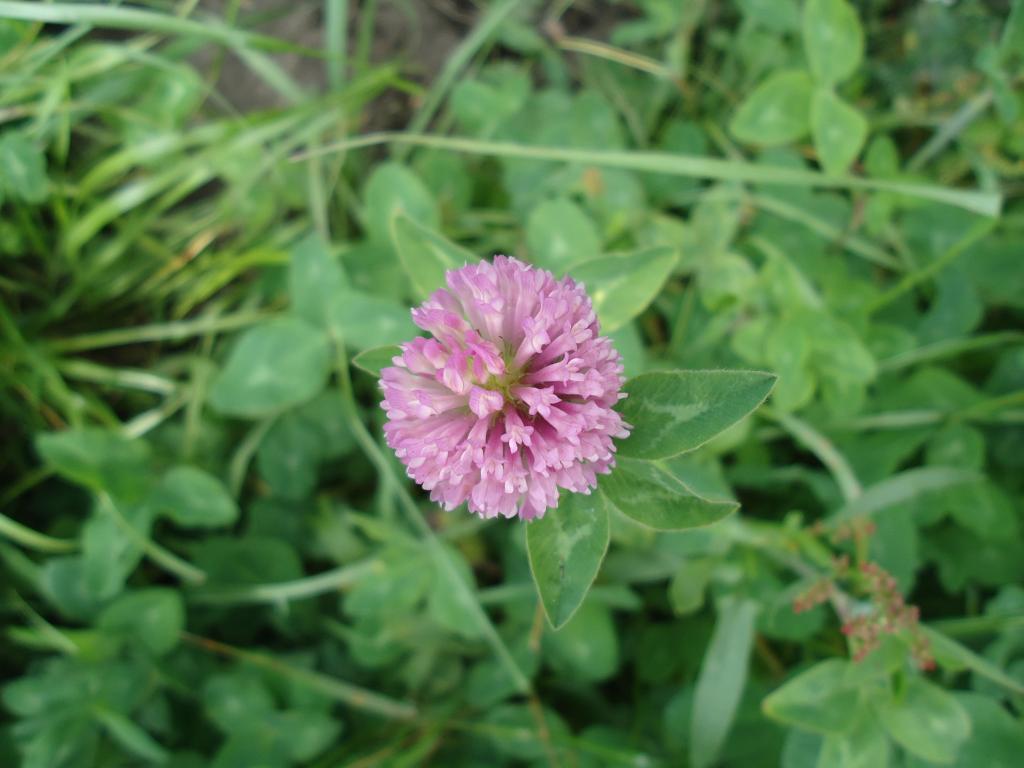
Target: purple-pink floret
[{"x": 510, "y": 399}]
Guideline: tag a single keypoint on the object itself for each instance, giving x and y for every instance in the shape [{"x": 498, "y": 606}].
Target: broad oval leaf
[
  {"x": 621, "y": 287},
  {"x": 650, "y": 494},
  {"x": 194, "y": 498},
  {"x": 393, "y": 188},
  {"x": 373, "y": 361},
  {"x": 839, "y": 131},
  {"x": 864, "y": 746},
  {"x": 426, "y": 254},
  {"x": 677, "y": 411},
  {"x": 365, "y": 321},
  {"x": 587, "y": 647},
  {"x": 997, "y": 740},
  {"x": 99, "y": 459},
  {"x": 559, "y": 235},
  {"x": 152, "y": 617},
  {"x": 566, "y": 548},
  {"x": 274, "y": 366},
  {"x": 777, "y": 112},
  {"x": 926, "y": 721},
  {"x": 833, "y": 39},
  {"x": 820, "y": 699},
  {"x": 131, "y": 737},
  {"x": 723, "y": 675},
  {"x": 314, "y": 277}
]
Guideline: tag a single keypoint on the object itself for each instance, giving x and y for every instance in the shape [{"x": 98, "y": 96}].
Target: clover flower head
[{"x": 510, "y": 398}]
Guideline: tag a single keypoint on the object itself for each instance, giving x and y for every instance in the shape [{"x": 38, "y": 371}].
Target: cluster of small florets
[
  {"x": 860, "y": 529},
  {"x": 890, "y": 615},
  {"x": 824, "y": 588},
  {"x": 510, "y": 399},
  {"x": 818, "y": 593}
]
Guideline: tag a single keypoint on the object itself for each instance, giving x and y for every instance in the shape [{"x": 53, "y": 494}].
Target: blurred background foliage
[{"x": 208, "y": 208}]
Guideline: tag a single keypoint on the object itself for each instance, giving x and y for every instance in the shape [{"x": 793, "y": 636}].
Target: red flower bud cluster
[
  {"x": 890, "y": 615},
  {"x": 861, "y": 529},
  {"x": 815, "y": 595}
]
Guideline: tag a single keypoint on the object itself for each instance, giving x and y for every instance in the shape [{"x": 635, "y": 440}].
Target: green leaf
[
  {"x": 677, "y": 411},
  {"x": 194, "y": 498},
  {"x": 566, "y": 548},
  {"x": 233, "y": 700},
  {"x": 779, "y": 15},
  {"x": 291, "y": 452},
  {"x": 833, "y": 39},
  {"x": 926, "y": 721},
  {"x": 650, "y": 494},
  {"x": 560, "y": 235},
  {"x": 865, "y": 746},
  {"x": 839, "y": 131},
  {"x": 62, "y": 582},
  {"x": 22, "y": 168},
  {"x": 686, "y": 590},
  {"x": 723, "y": 675},
  {"x": 249, "y": 560},
  {"x": 777, "y": 112},
  {"x": 365, "y": 321},
  {"x": 131, "y": 737},
  {"x": 586, "y": 648},
  {"x": 274, "y": 366},
  {"x": 289, "y": 456},
  {"x": 997, "y": 739},
  {"x": 314, "y": 277},
  {"x": 621, "y": 287},
  {"x": 153, "y": 617},
  {"x": 392, "y": 189},
  {"x": 109, "y": 553},
  {"x": 956, "y": 657},
  {"x": 425, "y": 254},
  {"x": 372, "y": 361},
  {"x": 99, "y": 459},
  {"x": 820, "y": 699},
  {"x": 306, "y": 733}
]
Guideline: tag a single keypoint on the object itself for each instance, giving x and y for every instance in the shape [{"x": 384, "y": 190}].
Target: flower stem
[
  {"x": 166, "y": 559},
  {"x": 442, "y": 558}
]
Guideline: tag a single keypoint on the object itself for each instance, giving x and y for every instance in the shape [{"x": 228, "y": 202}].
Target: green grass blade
[
  {"x": 977, "y": 201},
  {"x": 458, "y": 60},
  {"x": 137, "y": 19}
]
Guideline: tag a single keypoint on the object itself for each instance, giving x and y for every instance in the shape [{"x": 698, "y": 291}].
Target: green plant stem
[
  {"x": 178, "y": 330},
  {"x": 441, "y": 557},
  {"x": 806, "y": 218},
  {"x": 352, "y": 695},
  {"x": 166, "y": 559},
  {"x": 53, "y": 636},
  {"x": 950, "y": 129},
  {"x": 286, "y": 591},
  {"x": 973, "y": 626},
  {"x": 910, "y": 281},
  {"x": 32, "y": 539},
  {"x": 126, "y": 378},
  {"x": 823, "y": 448},
  {"x": 941, "y": 350},
  {"x": 977, "y": 201}
]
